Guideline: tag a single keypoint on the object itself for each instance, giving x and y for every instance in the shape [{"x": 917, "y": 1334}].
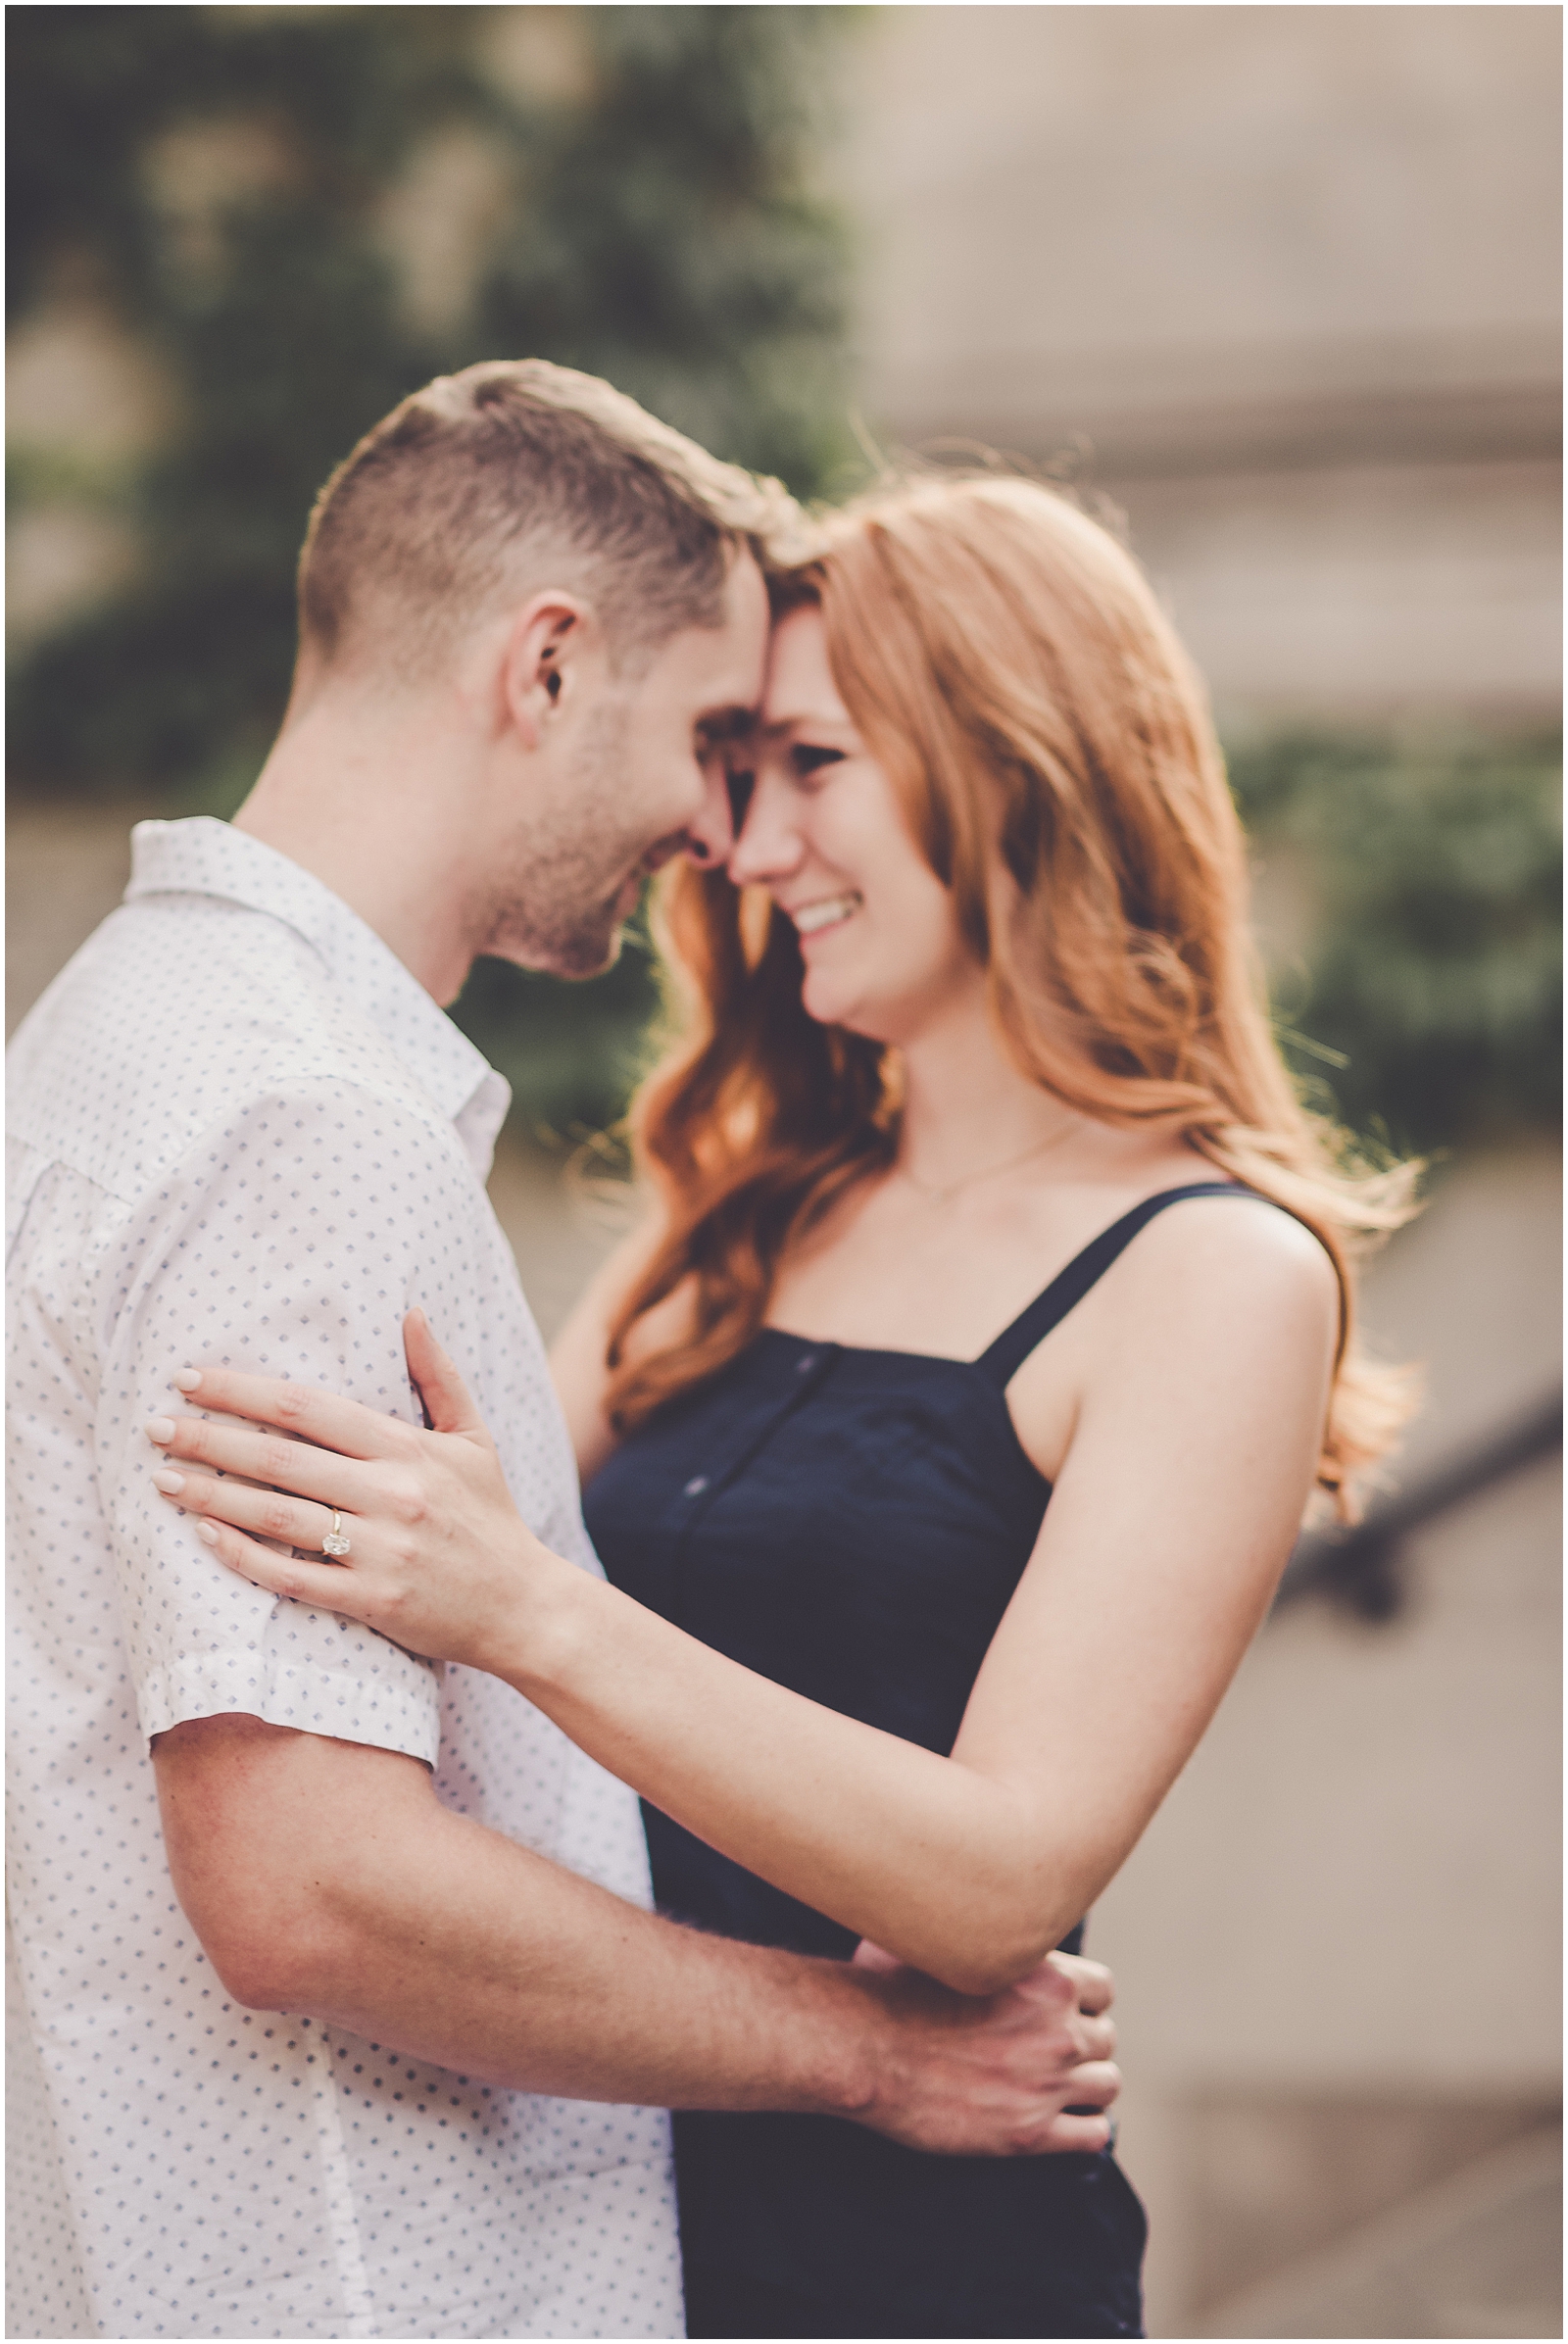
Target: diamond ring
[{"x": 336, "y": 1543}]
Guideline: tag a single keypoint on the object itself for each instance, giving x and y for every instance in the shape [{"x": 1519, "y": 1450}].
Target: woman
[{"x": 971, "y": 1021}]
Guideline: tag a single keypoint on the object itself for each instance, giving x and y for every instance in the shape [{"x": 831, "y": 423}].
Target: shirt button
[
  {"x": 697, "y": 1485},
  {"x": 802, "y": 1366}
]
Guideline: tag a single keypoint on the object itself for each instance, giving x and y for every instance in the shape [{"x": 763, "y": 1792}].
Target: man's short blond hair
[{"x": 512, "y": 476}]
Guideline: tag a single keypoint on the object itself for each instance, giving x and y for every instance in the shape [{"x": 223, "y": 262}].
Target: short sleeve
[{"x": 285, "y": 1244}]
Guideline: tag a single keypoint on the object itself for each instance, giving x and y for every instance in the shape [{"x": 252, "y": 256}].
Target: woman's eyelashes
[
  {"x": 810, "y": 757},
  {"x": 804, "y": 759}
]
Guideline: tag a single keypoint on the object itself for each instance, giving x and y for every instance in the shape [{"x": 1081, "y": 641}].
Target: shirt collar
[{"x": 201, "y": 856}]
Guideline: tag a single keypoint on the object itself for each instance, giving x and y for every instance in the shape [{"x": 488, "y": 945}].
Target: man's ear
[{"x": 540, "y": 660}]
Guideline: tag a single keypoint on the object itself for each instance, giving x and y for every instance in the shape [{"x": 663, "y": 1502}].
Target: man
[{"x": 244, "y": 1133}]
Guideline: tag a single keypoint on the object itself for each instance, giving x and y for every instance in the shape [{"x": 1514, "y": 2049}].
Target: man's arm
[{"x": 324, "y": 1877}]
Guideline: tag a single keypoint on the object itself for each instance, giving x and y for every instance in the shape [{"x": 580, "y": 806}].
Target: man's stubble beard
[{"x": 561, "y": 909}]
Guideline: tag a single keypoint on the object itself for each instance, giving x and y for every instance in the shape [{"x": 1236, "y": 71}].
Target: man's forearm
[
  {"x": 489, "y": 1960},
  {"x": 325, "y": 1877}
]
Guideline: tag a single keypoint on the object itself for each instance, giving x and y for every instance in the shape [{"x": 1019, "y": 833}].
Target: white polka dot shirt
[{"x": 241, "y": 1133}]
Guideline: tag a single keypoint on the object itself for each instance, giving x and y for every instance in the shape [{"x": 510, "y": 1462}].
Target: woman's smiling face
[{"x": 824, "y": 832}]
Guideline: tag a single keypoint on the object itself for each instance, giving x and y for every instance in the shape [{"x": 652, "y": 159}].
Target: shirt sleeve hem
[{"x": 295, "y": 1693}]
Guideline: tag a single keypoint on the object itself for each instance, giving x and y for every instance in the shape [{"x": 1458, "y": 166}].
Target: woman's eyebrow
[{"x": 821, "y": 721}]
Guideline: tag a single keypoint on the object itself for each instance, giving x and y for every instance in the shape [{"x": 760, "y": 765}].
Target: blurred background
[{"x": 1278, "y": 289}]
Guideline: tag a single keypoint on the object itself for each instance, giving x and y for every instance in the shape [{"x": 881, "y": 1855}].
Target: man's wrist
[{"x": 847, "y": 2042}]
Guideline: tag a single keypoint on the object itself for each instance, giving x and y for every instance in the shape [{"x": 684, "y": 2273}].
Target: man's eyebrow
[{"x": 727, "y": 724}]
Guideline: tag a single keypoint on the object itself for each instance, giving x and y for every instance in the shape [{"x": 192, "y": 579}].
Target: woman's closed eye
[{"x": 810, "y": 757}]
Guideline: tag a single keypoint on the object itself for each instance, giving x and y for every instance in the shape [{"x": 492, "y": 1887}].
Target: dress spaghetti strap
[{"x": 1068, "y": 1287}]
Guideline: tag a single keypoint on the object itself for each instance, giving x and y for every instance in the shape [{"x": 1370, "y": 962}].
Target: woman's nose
[
  {"x": 712, "y": 836},
  {"x": 767, "y": 845}
]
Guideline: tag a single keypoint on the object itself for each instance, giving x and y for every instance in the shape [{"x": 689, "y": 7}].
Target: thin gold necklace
[{"x": 945, "y": 1195}]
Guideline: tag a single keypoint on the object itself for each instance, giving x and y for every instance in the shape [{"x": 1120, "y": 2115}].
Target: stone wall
[{"x": 1282, "y": 282}]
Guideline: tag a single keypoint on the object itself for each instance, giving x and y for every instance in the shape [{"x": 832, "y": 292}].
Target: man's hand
[{"x": 995, "y": 2077}]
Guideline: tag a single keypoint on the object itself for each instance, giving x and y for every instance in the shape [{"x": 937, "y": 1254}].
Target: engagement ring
[{"x": 334, "y": 1542}]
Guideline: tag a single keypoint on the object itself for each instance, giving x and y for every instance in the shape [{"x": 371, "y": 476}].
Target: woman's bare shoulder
[
  {"x": 1244, "y": 1237},
  {"x": 1233, "y": 1272}
]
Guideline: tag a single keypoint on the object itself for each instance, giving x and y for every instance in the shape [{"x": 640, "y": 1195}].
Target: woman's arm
[{"x": 1205, "y": 1380}]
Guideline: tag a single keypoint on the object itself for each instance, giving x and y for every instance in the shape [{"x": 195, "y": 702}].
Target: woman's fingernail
[
  {"x": 187, "y": 1379},
  {"x": 168, "y": 1483},
  {"x": 161, "y": 1429},
  {"x": 417, "y": 1313},
  {"x": 207, "y": 1531}
]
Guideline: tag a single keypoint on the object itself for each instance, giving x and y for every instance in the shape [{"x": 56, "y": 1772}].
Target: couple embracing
[{"x": 941, "y": 1434}]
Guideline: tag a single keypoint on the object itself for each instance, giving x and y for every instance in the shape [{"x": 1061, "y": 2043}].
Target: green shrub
[
  {"x": 653, "y": 222},
  {"x": 1424, "y": 1006},
  {"x": 1430, "y": 986}
]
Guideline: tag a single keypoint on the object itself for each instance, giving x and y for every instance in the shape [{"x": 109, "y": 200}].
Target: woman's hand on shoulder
[{"x": 427, "y": 1546}]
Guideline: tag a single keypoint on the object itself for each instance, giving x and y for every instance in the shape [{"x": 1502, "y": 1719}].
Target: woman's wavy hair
[{"x": 1007, "y": 663}]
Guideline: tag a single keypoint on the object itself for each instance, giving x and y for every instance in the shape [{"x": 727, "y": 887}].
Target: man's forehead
[
  {"x": 717, "y": 673},
  {"x": 723, "y": 668}
]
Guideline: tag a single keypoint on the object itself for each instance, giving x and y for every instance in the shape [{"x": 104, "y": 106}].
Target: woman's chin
[{"x": 827, "y": 1002}]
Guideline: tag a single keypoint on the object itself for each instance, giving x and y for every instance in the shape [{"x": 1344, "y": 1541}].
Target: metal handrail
[{"x": 1359, "y": 1568}]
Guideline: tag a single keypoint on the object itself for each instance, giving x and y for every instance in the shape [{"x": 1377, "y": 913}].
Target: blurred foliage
[
  {"x": 237, "y": 188},
  {"x": 226, "y": 183},
  {"x": 572, "y": 1052},
  {"x": 1425, "y": 1001}
]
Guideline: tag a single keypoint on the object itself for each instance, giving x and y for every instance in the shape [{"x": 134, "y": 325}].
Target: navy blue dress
[{"x": 853, "y": 1523}]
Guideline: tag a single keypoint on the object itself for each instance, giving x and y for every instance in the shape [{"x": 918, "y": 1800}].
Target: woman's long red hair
[{"x": 1007, "y": 663}]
